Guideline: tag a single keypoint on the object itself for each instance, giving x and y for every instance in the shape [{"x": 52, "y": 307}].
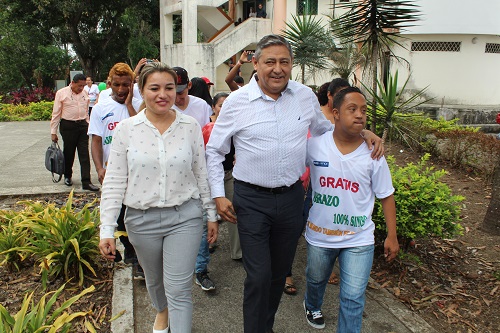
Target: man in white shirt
[
  {"x": 268, "y": 120},
  {"x": 188, "y": 104},
  {"x": 201, "y": 111},
  {"x": 103, "y": 120}
]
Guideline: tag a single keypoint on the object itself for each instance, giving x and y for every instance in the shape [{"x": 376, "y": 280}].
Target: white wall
[
  {"x": 467, "y": 77},
  {"x": 458, "y": 17}
]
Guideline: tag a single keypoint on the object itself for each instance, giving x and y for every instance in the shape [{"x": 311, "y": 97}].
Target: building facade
[{"x": 454, "y": 49}]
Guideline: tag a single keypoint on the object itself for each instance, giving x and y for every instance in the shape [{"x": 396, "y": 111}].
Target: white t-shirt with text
[
  {"x": 344, "y": 188},
  {"x": 103, "y": 120}
]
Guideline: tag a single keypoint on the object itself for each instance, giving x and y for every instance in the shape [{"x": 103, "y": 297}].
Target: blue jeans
[
  {"x": 203, "y": 257},
  {"x": 355, "y": 266}
]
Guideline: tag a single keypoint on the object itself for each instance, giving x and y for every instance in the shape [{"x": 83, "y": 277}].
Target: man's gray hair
[{"x": 272, "y": 40}]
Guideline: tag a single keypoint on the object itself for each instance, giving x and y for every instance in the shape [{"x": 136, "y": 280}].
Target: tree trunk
[
  {"x": 303, "y": 70},
  {"x": 491, "y": 222},
  {"x": 374, "y": 62}
]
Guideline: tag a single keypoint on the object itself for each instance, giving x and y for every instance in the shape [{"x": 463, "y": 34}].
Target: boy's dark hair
[
  {"x": 218, "y": 96},
  {"x": 339, "y": 97},
  {"x": 336, "y": 85},
  {"x": 239, "y": 79}
]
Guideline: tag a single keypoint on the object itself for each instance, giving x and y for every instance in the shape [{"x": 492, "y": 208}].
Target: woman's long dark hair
[{"x": 199, "y": 88}]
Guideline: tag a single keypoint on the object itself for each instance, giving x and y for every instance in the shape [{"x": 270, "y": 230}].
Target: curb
[
  {"x": 123, "y": 298},
  {"x": 409, "y": 319}
]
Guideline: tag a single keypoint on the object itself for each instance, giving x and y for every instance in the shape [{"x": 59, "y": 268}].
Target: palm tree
[
  {"x": 391, "y": 101},
  {"x": 309, "y": 40},
  {"x": 345, "y": 60},
  {"x": 375, "y": 24}
]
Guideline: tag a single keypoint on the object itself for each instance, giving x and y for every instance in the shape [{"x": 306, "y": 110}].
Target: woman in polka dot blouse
[{"x": 157, "y": 169}]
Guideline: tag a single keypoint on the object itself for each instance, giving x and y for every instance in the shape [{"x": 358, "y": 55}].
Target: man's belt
[{"x": 276, "y": 190}]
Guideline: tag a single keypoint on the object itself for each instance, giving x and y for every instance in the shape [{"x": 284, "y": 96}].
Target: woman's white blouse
[{"x": 147, "y": 169}]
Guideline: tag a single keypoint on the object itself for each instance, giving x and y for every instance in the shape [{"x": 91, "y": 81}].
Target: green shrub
[
  {"x": 45, "y": 316},
  {"x": 417, "y": 130},
  {"x": 424, "y": 206},
  {"x": 64, "y": 242},
  {"x": 14, "y": 244},
  {"x": 32, "y": 111},
  {"x": 40, "y": 111}
]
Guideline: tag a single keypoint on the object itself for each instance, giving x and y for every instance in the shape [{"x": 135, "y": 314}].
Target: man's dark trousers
[
  {"x": 269, "y": 227},
  {"x": 74, "y": 135}
]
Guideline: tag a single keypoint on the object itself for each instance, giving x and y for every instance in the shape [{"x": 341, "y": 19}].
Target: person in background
[
  {"x": 209, "y": 83},
  {"x": 343, "y": 228},
  {"x": 71, "y": 115},
  {"x": 267, "y": 120},
  {"x": 93, "y": 92},
  {"x": 498, "y": 122},
  {"x": 239, "y": 81},
  {"x": 103, "y": 121},
  {"x": 325, "y": 98},
  {"x": 137, "y": 71},
  {"x": 200, "y": 110},
  {"x": 252, "y": 13},
  {"x": 234, "y": 72},
  {"x": 261, "y": 12},
  {"x": 106, "y": 93},
  {"x": 165, "y": 191},
  {"x": 200, "y": 89},
  {"x": 234, "y": 239}
]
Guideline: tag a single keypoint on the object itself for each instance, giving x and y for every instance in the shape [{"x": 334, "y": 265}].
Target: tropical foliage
[
  {"x": 45, "y": 316},
  {"x": 425, "y": 206},
  {"x": 63, "y": 241},
  {"x": 391, "y": 100},
  {"x": 376, "y": 25},
  {"x": 309, "y": 40}
]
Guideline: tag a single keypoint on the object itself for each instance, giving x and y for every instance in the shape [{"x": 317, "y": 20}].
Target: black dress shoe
[
  {"x": 90, "y": 187},
  {"x": 68, "y": 182}
]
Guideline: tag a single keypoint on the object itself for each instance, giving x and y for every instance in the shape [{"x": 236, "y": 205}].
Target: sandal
[
  {"x": 333, "y": 279},
  {"x": 290, "y": 289}
]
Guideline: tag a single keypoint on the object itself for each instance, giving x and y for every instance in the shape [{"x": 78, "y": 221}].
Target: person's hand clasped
[
  {"x": 225, "y": 209},
  {"x": 213, "y": 231},
  {"x": 100, "y": 174},
  {"x": 107, "y": 246},
  {"x": 54, "y": 137}
]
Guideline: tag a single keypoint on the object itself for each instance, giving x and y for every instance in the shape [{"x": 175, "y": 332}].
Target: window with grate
[
  {"x": 492, "y": 48},
  {"x": 436, "y": 46},
  {"x": 307, "y": 7}
]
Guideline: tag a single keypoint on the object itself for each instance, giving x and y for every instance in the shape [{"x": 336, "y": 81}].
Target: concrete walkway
[{"x": 22, "y": 172}]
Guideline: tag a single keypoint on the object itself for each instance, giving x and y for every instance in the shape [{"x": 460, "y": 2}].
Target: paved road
[{"x": 22, "y": 158}]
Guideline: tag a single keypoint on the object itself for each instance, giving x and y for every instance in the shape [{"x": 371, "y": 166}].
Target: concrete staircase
[{"x": 224, "y": 39}]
